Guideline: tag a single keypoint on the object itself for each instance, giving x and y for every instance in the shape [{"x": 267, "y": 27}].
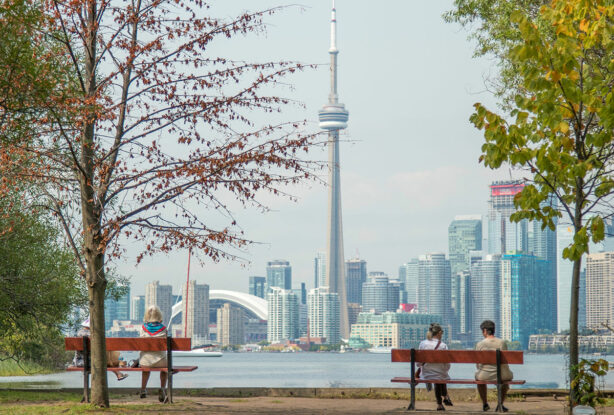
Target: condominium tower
[
  {"x": 434, "y": 286},
  {"x": 137, "y": 308},
  {"x": 278, "y": 274},
  {"x": 356, "y": 275},
  {"x": 283, "y": 322},
  {"x": 160, "y": 295},
  {"x": 257, "y": 286},
  {"x": 197, "y": 324},
  {"x": 323, "y": 311},
  {"x": 230, "y": 325},
  {"x": 599, "y": 290}
]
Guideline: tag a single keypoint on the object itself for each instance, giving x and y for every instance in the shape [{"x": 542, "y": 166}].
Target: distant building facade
[
  {"x": 117, "y": 309},
  {"x": 283, "y": 310},
  {"x": 257, "y": 286},
  {"x": 319, "y": 270},
  {"x": 525, "y": 297},
  {"x": 599, "y": 290},
  {"x": 395, "y": 330},
  {"x": 196, "y": 322},
  {"x": 230, "y": 325},
  {"x": 379, "y": 294},
  {"x": 323, "y": 311},
  {"x": 485, "y": 277},
  {"x": 434, "y": 286},
  {"x": 160, "y": 295},
  {"x": 355, "y": 277},
  {"x": 464, "y": 235},
  {"x": 279, "y": 274},
  {"x": 137, "y": 308}
]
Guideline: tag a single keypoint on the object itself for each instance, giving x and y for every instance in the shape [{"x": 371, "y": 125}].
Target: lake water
[{"x": 316, "y": 370}]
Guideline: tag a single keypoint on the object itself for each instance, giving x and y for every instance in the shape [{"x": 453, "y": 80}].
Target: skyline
[{"x": 396, "y": 205}]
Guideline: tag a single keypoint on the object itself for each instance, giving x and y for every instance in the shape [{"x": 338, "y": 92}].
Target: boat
[
  {"x": 380, "y": 350},
  {"x": 197, "y": 353}
]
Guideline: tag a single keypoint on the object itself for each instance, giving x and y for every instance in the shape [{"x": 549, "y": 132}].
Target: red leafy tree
[{"x": 151, "y": 130}]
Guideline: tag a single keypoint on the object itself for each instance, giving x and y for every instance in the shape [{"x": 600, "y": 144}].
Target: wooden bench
[
  {"x": 145, "y": 344},
  {"x": 489, "y": 357}
]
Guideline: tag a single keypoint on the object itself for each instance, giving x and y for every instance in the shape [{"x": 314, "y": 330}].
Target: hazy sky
[{"x": 410, "y": 163}]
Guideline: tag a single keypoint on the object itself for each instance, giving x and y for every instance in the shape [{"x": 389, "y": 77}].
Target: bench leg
[
  {"x": 412, "y": 402},
  {"x": 86, "y": 387},
  {"x": 499, "y": 399}
]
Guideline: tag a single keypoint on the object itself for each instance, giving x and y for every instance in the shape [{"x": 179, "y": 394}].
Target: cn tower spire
[{"x": 333, "y": 117}]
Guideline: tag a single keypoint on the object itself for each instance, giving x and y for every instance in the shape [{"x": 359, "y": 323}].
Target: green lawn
[{"x": 11, "y": 368}]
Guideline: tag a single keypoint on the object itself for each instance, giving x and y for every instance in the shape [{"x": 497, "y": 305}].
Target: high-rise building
[
  {"x": 160, "y": 295},
  {"x": 525, "y": 297},
  {"x": 197, "y": 326},
  {"x": 462, "y": 304},
  {"x": 257, "y": 286},
  {"x": 356, "y": 275},
  {"x": 323, "y": 311},
  {"x": 319, "y": 270},
  {"x": 379, "y": 294},
  {"x": 408, "y": 273},
  {"x": 434, "y": 286},
  {"x": 137, "y": 308},
  {"x": 333, "y": 118},
  {"x": 230, "y": 325},
  {"x": 503, "y": 234},
  {"x": 278, "y": 274},
  {"x": 485, "y": 277},
  {"x": 542, "y": 244},
  {"x": 464, "y": 235},
  {"x": 283, "y": 323},
  {"x": 117, "y": 309},
  {"x": 599, "y": 289}
]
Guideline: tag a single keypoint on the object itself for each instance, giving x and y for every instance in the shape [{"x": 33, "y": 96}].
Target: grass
[
  {"x": 11, "y": 396},
  {"x": 79, "y": 409},
  {"x": 238, "y": 400},
  {"x": 12, "y": 368}
]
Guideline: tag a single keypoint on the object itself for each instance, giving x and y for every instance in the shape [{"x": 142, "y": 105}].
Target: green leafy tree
[
  {"x": 39, "y": 286},
  {"x": 560, "y": 126}
]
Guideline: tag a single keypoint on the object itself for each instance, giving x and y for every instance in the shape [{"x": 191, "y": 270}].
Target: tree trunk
[
  {"x": 96, "y": 293},
  {"x": 573, "y": 331},
  {"x": 575, "y": 296},
  {"x": 91, "y": 211}
]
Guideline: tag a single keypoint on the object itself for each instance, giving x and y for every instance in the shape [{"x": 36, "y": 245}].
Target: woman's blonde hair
[
  {"x": 434, "y": 330},
  {"x": 153, "y": 314}
]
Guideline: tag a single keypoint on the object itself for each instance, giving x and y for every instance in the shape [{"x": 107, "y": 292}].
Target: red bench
[
  {"x": 489, "y": 357},
  {"x": 145, "y": 344}
]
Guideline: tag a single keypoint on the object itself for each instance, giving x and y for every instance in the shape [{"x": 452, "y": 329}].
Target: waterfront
[{"x": 300, "y": 370}]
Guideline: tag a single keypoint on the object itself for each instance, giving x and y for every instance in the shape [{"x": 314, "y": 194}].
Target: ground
[{"x": 128, "y": 403}]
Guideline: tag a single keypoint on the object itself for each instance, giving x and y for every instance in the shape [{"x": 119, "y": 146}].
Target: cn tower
[{"x": 334, "y": 117}]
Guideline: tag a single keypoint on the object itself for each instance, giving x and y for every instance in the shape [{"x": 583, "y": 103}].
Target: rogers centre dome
[{"x": 255, "y": 307}]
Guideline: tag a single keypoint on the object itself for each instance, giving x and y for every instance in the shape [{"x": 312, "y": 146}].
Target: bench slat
[
  {"x": 145, "y": 344},
  {"x": 458, "y": 356},
  {"x": 138, "y": 369},
  {"x": 458, "y": 381}
]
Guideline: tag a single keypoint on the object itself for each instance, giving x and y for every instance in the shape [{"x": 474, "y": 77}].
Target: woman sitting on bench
[
  {"x": 153, "y": 327},
  {"x": 435, "y": 371}
]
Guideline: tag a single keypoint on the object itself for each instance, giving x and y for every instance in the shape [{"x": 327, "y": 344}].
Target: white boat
[
  {"x": 380, "y": 350},
  {"x": 196, "y": 353}
]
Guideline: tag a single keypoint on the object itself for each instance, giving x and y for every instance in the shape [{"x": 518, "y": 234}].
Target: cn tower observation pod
[{"x": 333, "y": 117}]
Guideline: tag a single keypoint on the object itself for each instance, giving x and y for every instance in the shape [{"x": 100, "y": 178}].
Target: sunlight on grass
[{"x": 11, "y": 368}]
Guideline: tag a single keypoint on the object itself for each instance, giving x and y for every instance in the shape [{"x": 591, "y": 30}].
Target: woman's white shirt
[{"x": 433, "y": 370}]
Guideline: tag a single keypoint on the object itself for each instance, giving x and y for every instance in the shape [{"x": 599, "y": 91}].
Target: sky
[{"x": 409, "y": 157}]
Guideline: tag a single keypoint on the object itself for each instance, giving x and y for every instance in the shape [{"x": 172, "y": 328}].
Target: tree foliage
[
  {"x": 155, "y": 137},
  {"x": 39, "y": 286},
  {"x": 561, "y": 124}
]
